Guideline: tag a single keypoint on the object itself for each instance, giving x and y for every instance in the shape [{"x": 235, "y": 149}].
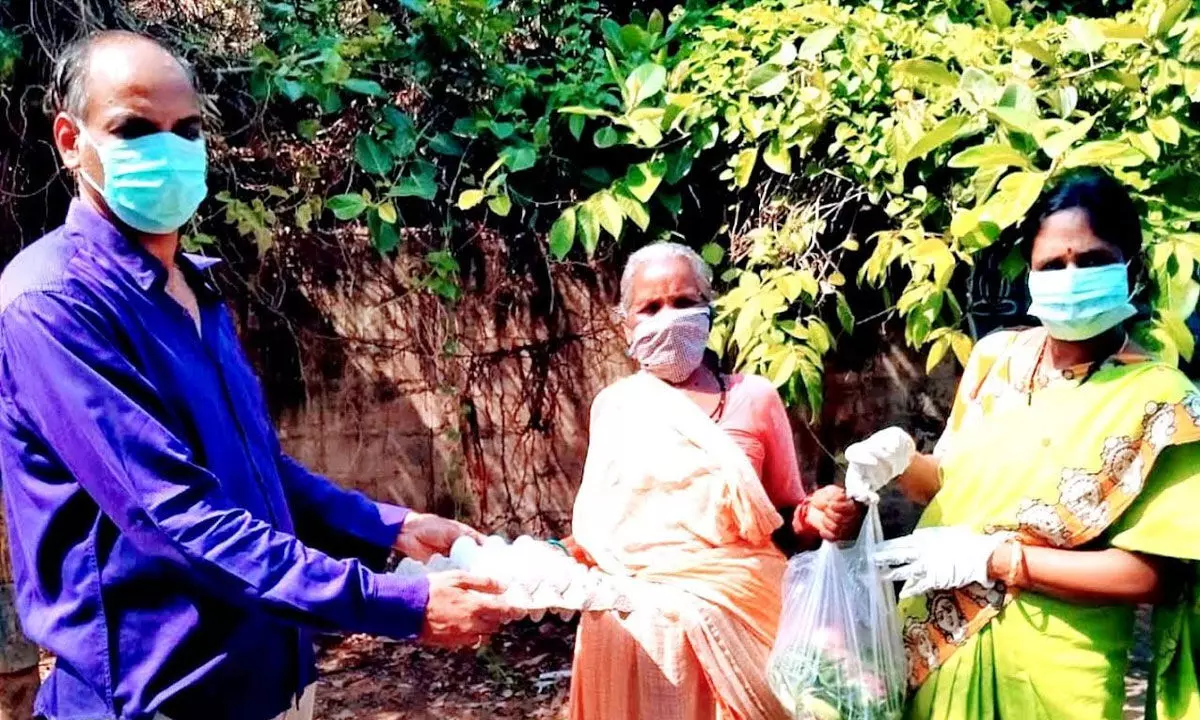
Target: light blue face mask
[
  {"x": 153, "y": 183},
  {"x": 1080, "y": 303}
]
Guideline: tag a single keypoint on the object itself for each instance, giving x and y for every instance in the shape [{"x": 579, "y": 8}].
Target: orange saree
[{"x": 671, "y": 501}]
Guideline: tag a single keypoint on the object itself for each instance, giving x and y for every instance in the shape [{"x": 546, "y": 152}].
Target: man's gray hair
[
  {"x": 68, "y": 82},
  {"x": 665, "y": 251}
]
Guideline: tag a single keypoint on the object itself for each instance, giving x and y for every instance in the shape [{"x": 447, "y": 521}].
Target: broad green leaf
[
  {"x": 387, "y": 213},
  {"x": 644, "y": 83},
  {"x": 648, "y": 129},
  {"x": 845, "y": 314},
  {"x": 502, "y": 130},
  {"x": 469, "y": 199},
  {"x": 1165, "y": 128},
  {"x": 501, "y": 205},
  {"x": 990, "y": 156},
  {"x": 291, "y": 89},
  {"x": 609, "y": 213},
  {"x": 1018, "y": 120},
  {"x": 1108, "y": 153},
  {"x": 372, "y": 156},
  {"x": 743, "y": 166},
  {"x": 1084, "y": 36},
  {"x": 519, "y": 157},
  {"x": 939, "y": 135},
  {"x": 364, "y": 87},
  {"x": 415, "y": 185},
  {"x": 346, "y": 207},
  {"x": 1058, "y": 143},
  {"x": 818, "y": 42},
  {"x": 778, "y": 157},
  {"x": 384, "y": 236},
  {"x": 1174, "y": 13},
  {"x": 767, "y": 80},
  {"x": 961, "y": 344},
  {"x": 1146, "y": 143},
  {"x": 813, "y": 387},
  {"x": 998, "y": 13},
  {"x": 606, "y": 137},
  {"x": 562, "y": 234},
  {"x": 446, "y": 144},
  {"x": 587, "y": 226},
  {"x": 936, "y": 353},
  {"x": 586, "y": 112},
  {"x": 713, "y": 254},
  {"x": 926, "y": 70},
  {"x": 576, "y": 124},
  {"x": 633, "y": 209},
  {"x": 786, "y": 55},
  {"x": 781, "y": 371},
  {"x": 1181, "y": 336},
  {"x": 1038, "y": 51},
  {"x": 643, "y": 179},
  {"x": 1018, "y": 192}
]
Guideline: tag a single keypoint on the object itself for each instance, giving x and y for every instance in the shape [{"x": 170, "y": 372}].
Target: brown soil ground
[{"x": 521, "y": 675}]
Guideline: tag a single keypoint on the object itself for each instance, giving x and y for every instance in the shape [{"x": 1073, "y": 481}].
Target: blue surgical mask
[
  {"x": 1080, "y": 303},
  {"x": 153, "y": 183}
]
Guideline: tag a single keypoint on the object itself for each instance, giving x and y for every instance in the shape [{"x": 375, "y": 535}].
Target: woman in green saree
[{"x": 1063, "y": 493}]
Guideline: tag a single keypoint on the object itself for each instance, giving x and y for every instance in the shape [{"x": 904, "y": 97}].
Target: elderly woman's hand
[{"x": 830, "y": 513}]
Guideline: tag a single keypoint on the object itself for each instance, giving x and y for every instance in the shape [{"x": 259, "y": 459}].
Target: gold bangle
[{"x": 1015, "y": 561}]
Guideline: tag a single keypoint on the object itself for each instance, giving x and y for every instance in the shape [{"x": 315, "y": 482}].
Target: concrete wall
[{"x": 487, "y": 420}]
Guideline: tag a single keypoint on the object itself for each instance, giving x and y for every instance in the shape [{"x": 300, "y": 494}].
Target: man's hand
[
  {"x": 422, "y": 535},
  {"x": 829, "y": 513},
  {"x": 464, "y": 610}
]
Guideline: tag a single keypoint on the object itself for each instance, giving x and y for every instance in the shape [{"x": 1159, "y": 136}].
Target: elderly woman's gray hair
[{"x": 665, "y": 251}]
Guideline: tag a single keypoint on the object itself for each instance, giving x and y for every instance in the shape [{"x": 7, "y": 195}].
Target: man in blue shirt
[{"x": 152, "y": 513}]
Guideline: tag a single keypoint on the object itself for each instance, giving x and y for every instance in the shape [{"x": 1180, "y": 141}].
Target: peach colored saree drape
[{"x": 669, "y": 499}]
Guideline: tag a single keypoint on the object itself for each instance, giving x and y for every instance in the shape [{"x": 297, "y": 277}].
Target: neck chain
[{"x": 720, "y": 409}]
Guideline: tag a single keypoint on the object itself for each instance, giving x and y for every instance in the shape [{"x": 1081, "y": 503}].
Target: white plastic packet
[
  {"x": 839, "y": 654},
  {"x": 538, "y": 577}
]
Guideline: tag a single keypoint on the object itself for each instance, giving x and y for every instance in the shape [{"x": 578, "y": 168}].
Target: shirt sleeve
[
  {"x": 339, "y": 521},
  {"x": 63, "y": 373},
  {"x": 781, "y": 468}
]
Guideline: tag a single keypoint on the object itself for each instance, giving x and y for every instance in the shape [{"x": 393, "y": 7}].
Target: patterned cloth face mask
[{"x": 670, "y": 345}]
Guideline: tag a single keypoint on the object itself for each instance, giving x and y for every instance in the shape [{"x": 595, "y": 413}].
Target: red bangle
[{"x": 802, "y": 511}]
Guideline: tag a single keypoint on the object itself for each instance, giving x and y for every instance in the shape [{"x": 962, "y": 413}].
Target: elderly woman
[
  {"x": 1062, "y": 494},
  {"x": 685, "y": 470}
]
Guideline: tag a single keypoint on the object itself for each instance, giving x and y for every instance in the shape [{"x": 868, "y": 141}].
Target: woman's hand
[
  {"x": 877, "y": 461},
  {"x": 830, "y": 514}
]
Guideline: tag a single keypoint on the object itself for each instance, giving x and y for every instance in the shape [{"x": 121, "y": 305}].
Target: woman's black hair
[{"x": 1110, "y": 211}]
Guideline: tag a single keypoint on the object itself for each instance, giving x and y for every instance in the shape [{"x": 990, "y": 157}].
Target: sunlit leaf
[
  {"x": 1165, "y": 128},
  {"x": 990, "y": 156},
  {"x": 469, "y": 199},
  {"x": 926, "y": 70},
  {"x": 644, "y": 83},
  {"x": 818, "y": 42}
]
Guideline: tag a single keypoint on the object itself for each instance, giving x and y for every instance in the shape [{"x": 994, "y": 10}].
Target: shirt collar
[{"x": 101, "y": 234}]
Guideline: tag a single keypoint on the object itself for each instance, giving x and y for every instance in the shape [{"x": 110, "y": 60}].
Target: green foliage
[
  {"x": 946, "y": 118},
  {"x": 953, "y": 129}
]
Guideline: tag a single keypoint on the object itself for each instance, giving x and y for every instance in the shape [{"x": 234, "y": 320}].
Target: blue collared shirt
[{"x": 151, "y": 511}]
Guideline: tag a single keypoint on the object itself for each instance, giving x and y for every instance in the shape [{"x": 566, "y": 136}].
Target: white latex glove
[
  {"x": 940, "y": 558},
  {"x": 876, "y": 461}
]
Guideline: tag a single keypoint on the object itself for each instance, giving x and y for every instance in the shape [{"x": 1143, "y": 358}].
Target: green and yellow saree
[{"x": 1084, "y": 459}]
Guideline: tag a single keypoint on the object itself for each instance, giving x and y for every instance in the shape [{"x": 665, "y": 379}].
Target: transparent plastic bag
[{"x": 839, "y": 654}]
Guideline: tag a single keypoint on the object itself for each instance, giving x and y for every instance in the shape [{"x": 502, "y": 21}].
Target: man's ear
[{"x": 68, "y": 140}]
